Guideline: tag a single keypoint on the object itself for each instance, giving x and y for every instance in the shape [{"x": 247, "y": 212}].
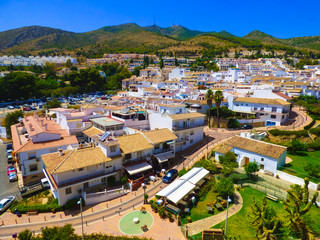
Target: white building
[
  {"x": 188, "y": 127},
  {"x": 269, "y": 156}
]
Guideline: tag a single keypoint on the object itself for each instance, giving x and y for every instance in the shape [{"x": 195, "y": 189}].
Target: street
[{"x": 6, "y": 188}]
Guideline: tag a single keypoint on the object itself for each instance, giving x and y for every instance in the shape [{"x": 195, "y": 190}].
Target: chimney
[
  {"x": 46, "y": 127},
  {"x": 61, "y": 152}
]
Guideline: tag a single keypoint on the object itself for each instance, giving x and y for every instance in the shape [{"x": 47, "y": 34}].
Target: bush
[
  {"x": 300, "y": 133},
  {"x": 73, "y": 203},
  {"x": 236, "y": 177},
  {"x": 182, "y": 172},
  {"x": 206, "y": 188},
  {"x": 146, "y": 198},
  {"x": 315, "y": 131},
  {"x": 162, "y": 212},
  {"x": 310, "y": 125},
  {"x": 233, "y": 123},
  {"x": 41, "y": 208}
]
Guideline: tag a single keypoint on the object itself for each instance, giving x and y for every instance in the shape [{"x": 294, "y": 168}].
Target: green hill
[{"x": 133, "y": 38}]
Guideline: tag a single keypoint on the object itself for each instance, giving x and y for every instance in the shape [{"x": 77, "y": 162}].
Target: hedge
[
  {"x": 310, "y": 125},
  {"x": 41, "y": 208},
  {"x": 315, "y": 131},
  {"x": 300, "y": 133}
]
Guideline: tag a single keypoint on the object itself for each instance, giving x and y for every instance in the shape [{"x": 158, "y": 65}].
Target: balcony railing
[
  {"x": 187, "y": 126},
  {"x": 86, "y": 176},
  {"x": 157, "y": 151},
  {"x": 185, "y": 139}
]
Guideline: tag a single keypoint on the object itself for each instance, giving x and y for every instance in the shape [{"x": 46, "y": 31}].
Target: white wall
[
  {"x": 158, "y": 120},
  {"x": 296, "y": 180}
]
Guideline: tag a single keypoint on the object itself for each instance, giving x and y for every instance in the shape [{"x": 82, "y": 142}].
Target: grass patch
[
  {"x": 239, "y": 224},
  {"x": 298, "y": 162},
  {"x": 200, "y": 210}
]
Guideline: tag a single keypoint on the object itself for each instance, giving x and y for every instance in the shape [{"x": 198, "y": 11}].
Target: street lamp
[
  {"x": 144, "y": 186},
  {"x": 80, "y": 203},
  {"x": 225, "y": 229}
]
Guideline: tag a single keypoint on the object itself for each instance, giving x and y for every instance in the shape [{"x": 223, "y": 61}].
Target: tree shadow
[{"x": 303, "y": 154}]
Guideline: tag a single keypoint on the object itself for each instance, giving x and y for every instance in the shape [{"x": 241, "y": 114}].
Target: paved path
[{"x": 200, "y": 225}]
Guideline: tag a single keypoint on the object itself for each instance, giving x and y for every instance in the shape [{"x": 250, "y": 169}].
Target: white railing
[{"x": 92, "y": 198}]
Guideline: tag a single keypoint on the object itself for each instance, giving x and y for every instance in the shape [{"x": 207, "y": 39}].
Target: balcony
[
  {"x": 185, "y": 139},
  {"x": 187, "y": 126},
  {"x": 157, "y": 151},
  {"x": 85, "y": 177}
]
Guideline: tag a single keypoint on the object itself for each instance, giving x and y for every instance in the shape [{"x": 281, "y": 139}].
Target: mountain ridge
[{"x": 134, "y": 38}]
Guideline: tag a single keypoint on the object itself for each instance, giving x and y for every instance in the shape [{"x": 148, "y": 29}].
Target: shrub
[
  {"x": 73, "y": 203},
  {"x": 146, "y": 198},
  {"x": 124, "y": 179},
  {"x": 233, "y": 123},
  {"x": 310, "y": 125},
  {"x": 295, "y": 146},
  {"x": 162, "y": 212},
  {"x": 312, "y": 169},
  {"x": 169, "y": 214},
  {"x": 238, "y": 177},
  {"x": 206, "y": 188},
  {"x": 24, "y": 207},
  {"x": 300, "y": 133},
  {"x": 182, "y": 172},
  {"x": 315, "y": 131}
]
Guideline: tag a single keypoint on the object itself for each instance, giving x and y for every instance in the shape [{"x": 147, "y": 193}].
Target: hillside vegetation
[{"x": 152, "y": 39}]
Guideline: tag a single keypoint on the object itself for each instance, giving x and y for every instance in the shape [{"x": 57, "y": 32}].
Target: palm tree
[
  {"x": 218, "y": 98},
  {"x": 209, "y": 98}
]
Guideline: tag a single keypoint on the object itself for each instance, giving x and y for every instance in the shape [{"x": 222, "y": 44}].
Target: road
[{"x": 6, "y": 188}]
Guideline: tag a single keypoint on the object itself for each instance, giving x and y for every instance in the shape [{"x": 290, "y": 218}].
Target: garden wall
[{"x": 296, "y": 180}]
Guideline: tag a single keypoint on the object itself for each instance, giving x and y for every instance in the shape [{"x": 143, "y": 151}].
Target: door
[
  {"x": 261, "y": 166},
  {"x": 246, "y": 161}
]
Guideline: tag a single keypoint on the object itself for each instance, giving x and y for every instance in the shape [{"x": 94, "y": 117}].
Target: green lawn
[
  {"x": 200, "y": 210},
  {"x": 239, "y": 224},
  {"x": 298, "y": 162}
]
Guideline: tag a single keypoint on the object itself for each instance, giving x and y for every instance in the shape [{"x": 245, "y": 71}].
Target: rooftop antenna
[{"x": 154, "y": 21}]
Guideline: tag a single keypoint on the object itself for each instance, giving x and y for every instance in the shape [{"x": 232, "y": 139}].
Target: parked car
[
  {"x": 72, "y": 103},
  {"x": 17, "y": 107},
  {"x": 247, "y": 127},
  {"x": 6, "y": 202},
  {"x": 10, "y": 107},
  {"x": 9, "y": 158},
  {"x": 13, "y": 177},
  {"x": 33, "y": 108},
  {"x": 11, "y": 169},
  {"x": 9, "y": 147},
  {"x": 26, "y": 109},
  {"x": 170, "y": 176}
]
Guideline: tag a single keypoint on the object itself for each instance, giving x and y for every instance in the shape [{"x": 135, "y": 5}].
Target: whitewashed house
[{"x": 269, "y": 156}]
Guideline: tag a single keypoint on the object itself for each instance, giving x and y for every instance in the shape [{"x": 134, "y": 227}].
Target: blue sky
[{"x": 279, "y": 18}]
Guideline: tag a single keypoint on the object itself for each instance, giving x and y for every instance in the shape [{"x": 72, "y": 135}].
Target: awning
[
  {"x": 170, "y": 188},
  {"x": 195, "y": 175},
  {"x": 181, "y": 192},
  {"x": 141, "y": 167},
  {"x": 163, "y": 157}
]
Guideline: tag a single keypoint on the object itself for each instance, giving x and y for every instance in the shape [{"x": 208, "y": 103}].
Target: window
[
  {"x": 282, "y": 117},
  {"x": 262, "y": 109},
  {"x": 262, "y": 159},
  {"x": 191, "y": 140},
  {"x": 255, "y": 108},
  {"x": 156, "y": 146},
  {"x": 108, "y": 166},
  {"x": 80, "y": 169},
  {"x": 68, "y": 190},
  {"x": 274, "y": 109},
  {"x": 273, "y": 116},
  {"x": 127, "y": 156},
  {"x": 33, "y": 167},
  {"x": 113, "y": 149},
  {"x": 237, "y": 105},
  {"x": 246, "y": 104}
]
